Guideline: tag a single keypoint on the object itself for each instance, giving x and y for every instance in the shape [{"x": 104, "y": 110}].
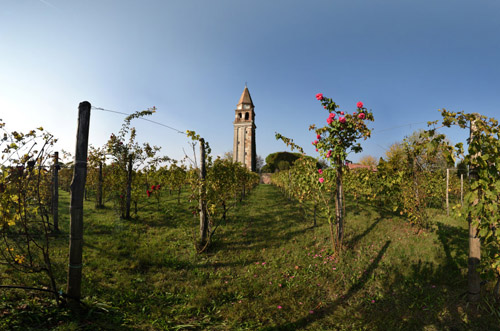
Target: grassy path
[{"x": 267, "y": 269}]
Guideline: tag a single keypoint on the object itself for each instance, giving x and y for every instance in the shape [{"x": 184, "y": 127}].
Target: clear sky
[{"x": 404, "y": 59}]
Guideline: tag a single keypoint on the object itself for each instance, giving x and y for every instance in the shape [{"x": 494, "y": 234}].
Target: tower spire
[
  {"x": 244, "y": 147},
  {"x": 245, "y": 97}
]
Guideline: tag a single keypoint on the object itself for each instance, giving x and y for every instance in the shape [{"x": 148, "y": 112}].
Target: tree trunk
[
  {"x": 129, "y": 188},
  {"x": 76, "y": 207}
]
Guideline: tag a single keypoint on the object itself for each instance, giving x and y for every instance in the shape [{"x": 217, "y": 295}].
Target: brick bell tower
[{"x": 244, "y": 150}]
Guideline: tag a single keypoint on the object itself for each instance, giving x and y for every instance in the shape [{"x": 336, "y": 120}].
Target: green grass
[{"x": 267, "y": 269}]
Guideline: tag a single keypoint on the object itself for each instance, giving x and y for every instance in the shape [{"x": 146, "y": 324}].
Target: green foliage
[
  {"x": 25, "y": 205},
  {"x": 122, "y": 150},
  {"x": 280, "y": 161},
  {"x": 225, "y": 183},
  {"x": 483, "y": 158}
]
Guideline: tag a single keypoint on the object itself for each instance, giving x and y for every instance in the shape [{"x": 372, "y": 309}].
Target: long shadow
[
  {"x": 326, "y": 310},
  {"x": 453, "y": 239},
  {"x": 357, "y": 238}
]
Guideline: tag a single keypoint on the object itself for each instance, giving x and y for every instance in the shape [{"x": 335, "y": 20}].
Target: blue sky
[{"x": 404, "y": 59}]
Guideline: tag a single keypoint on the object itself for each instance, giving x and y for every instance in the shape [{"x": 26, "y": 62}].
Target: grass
[{"x": 267, "y": 269}]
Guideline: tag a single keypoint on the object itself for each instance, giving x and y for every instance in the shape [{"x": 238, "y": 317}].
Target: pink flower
[
  {"x": 332, "y": 115},
  {"x": 329, "y": 120},
  {"x": 320, "y": 171},
  {"x": 315, "y": 142},
  {"x": 311, "y": 311},
  {"x": 279, "y": 307},
  {"x": 321, "y": 180},
  {"x": 341, "y": 113},
  {"x": 324, "y": 107},
  {"x": 318, "y": 136},
  {"x": 373, "y": 301},
  {"x": 329, "y": 153},
  {"x": 354, "y": 114},
  {"x": 319, "y": 96},
  {"x": 361, "y": 116},
  {"x": 342, "y": 119},
  {"x": 316, "y": 149},
  {"x": 359, "y": 104}
]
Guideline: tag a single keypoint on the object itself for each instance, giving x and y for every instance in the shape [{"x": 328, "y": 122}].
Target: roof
[
  {"x": 352, "y": 166},
  {"x": 245, "y": 97}
]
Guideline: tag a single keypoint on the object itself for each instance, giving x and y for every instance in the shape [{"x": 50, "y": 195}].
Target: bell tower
[{"x": 244, "y": 150}]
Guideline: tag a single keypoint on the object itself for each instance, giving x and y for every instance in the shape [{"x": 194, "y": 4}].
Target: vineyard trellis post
[
  {"x": 76, "y": 206},
  {"x": 339, "y": 201},
  {"x": 129, "y": 188},
  {"x": 474, "y": 280},
  {"x": 447, "y": 192},
  {"x": 55, "y": 193},
  {"x": 202, "y": 202},
  {"x": 99, "y": 187},
  {"x": 461, "y": 190}
]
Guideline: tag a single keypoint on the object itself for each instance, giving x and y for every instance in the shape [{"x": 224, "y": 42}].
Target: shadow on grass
[
  {"x": 453, "y": 239},
  {"x": 353, "y": 241},
  {"x": 323, "y": 312}
]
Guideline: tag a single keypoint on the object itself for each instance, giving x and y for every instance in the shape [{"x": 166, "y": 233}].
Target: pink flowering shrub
[{"x": 339, "y": 138}]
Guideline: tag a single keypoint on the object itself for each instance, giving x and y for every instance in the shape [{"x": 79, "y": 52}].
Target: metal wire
[{"x": 144, "y": 119}]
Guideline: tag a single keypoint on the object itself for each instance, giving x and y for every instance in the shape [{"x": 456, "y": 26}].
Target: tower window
[{"x": 246, "y": 116}]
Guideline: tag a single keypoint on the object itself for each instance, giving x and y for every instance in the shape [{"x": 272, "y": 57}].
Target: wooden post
[
  {"x": 76, "y": 208},
  {"x": 202, "y": 203},
  {"x": 55, "y": 193},
  {"x": 447, "y": 190},
  {"x": 99, "y": 187},
  {"x": 129, "y": 188},
  {"x": 461, "y": 190},
  {"x": 339, "y": 205},
  {"x": 474, "y": 280}
]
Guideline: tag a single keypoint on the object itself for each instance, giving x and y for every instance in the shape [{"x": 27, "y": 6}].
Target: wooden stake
[
  {"x": 461, "y": 190},
  {"x": 99, "y": 187},
  {"x": 129, "y": 188},
  {"x": 76, "y": 207},
  {"x": 447, "y": 190},
  {"x": 474, "y": 280},
  {"x": 55, "y": 193},
  {"x": 202, "y": 203}
]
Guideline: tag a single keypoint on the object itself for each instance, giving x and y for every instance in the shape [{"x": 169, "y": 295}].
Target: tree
[
  {"x": 273, "y": 159},
  {"x": 368, "y": 160},
  {"x": 334, "y": 142},
  {"x": 259, "y": 163},
  {"x": 128, "y": 156}
]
